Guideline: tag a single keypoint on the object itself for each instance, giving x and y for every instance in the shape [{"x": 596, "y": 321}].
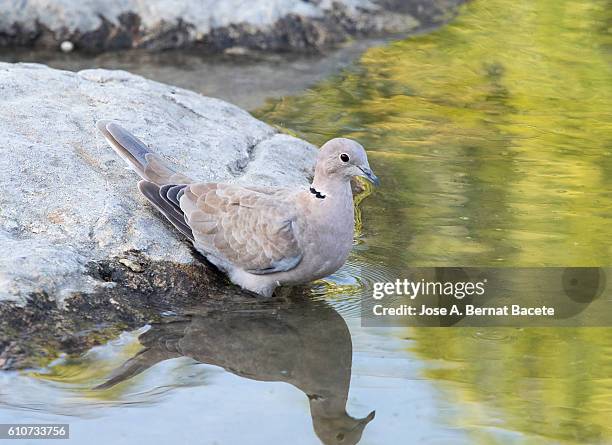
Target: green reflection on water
[
  {"x": 493, "y": 139},
  {"x": 545, "y": 383},
  {"x": 492, "y": 136}
]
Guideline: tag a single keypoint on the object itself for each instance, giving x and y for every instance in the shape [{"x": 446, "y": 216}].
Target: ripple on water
[{"x": 345, "y": 288}]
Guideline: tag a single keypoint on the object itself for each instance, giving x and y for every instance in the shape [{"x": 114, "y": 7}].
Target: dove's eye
[{"x": 344, "y": 157}]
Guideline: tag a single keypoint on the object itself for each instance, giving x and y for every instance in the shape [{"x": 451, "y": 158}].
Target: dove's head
[
  {"x": 344, "y": 430},
  {"x": 343, "y": 158}
]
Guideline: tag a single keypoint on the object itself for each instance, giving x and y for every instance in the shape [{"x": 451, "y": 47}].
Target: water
[
  {"x": 246, "y": 80},
  {"x": 492, "y": 138}
]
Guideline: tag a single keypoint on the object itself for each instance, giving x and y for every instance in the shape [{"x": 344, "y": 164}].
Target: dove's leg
[{"x": 260, "y": 284}]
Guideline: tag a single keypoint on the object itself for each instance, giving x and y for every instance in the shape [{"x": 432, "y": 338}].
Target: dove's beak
[{"x": 370, "y": 176}]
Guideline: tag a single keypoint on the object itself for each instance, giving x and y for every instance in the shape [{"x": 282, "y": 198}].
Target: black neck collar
[{"x": 316, "y": 193}]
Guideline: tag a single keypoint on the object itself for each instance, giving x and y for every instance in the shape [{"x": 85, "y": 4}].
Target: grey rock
[
  {"x": 68, "y": 201},
  {"x": 99, "y": 25}
]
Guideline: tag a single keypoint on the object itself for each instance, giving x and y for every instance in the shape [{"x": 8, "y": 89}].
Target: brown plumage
[{"x": 261, "y": 237}]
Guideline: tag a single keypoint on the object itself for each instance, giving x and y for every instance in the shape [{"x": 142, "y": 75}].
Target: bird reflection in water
[{"x": 294, "y": 340}]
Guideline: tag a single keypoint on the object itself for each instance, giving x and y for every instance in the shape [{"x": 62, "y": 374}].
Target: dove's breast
[
  {"x": 323, "y": 228},
  {"x": 326, "y": 238}
]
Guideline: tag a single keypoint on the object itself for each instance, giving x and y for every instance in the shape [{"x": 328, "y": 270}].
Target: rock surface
[
  {"x": 99, "y": 25},
  {"x": 69, "y": 206}
]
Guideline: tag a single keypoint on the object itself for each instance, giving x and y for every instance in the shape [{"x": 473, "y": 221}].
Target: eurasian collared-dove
[{"x": 262, "y": 237}]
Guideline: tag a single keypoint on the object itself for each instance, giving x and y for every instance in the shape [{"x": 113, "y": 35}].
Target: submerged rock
[
  {"x": 71, "y": 219},
  {"x": 100, "y": 25}
]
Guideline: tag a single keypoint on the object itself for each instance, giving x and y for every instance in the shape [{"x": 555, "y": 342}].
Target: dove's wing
[{"x": 253, "y": 229}]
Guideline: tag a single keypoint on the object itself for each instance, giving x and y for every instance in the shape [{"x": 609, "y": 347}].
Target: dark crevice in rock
[
  {"x": 168, "y": 36},
  {"x": 172, "y": 98},
  {"x": 100, "y": 271},
  {"x": 109, "y": 36},
  {"x": 241, "y": 165}
]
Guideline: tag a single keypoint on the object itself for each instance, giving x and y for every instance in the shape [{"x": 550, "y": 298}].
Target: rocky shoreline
[
  {"x": 81, "y": 252},
  {"x": 210, "y": 26},
  {"x": 34, "y": 333}
]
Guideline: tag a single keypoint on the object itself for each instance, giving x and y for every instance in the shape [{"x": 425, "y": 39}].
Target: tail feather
[
  {"x": 161, "y": 185},
  {"x": 132, "y": 150},
  {"x": 147, "y": 164}
]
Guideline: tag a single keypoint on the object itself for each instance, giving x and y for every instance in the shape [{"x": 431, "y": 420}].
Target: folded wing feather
[{"x": 247, "y": 228}]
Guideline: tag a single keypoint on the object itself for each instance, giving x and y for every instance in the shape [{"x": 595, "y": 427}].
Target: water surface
[
  {"x": 245, "y": 79},
  {"x": 493, "y": 141}
]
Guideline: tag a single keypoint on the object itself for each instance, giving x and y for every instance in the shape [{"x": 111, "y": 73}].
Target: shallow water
[
  {"x": 245, "y": 79},
  {"x": 492, "y": 138}
]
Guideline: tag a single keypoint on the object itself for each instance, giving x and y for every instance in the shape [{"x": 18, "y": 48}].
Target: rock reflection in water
[{"x": 296, "y": 340}]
